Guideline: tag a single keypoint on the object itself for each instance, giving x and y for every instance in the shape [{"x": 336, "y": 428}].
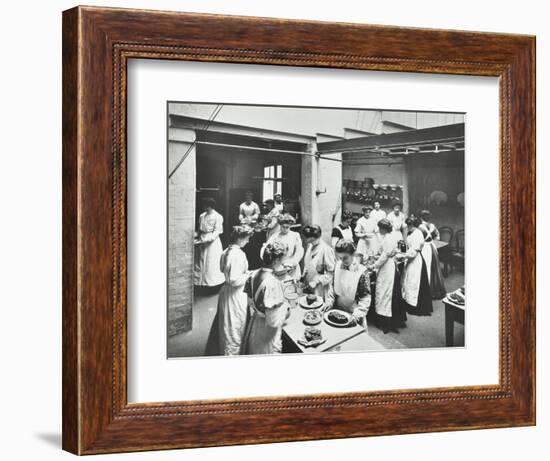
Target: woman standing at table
[
  {"x": 232, "y": 302},
  {"x": 267, "y": 305},
  {"x": 431, "y": 255},
  {"x": 249, "y": 211},
  {"x": 366, "y": 231},
  {"x": 208, "y": 247},
  {"x": 343, "y": 230},
  {"x": 293, "y": 244},
  {"x": 319, "y": 262},
  {"x": 390, "y": 314},
  {"x": 415, "y": 287},
  {"x": 351, "y": 287}
]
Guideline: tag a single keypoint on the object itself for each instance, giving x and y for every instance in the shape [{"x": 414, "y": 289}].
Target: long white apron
[
  {"x": 385, "y": 278},
  {"x": 428, "y": 249},
  {"x": 427, "y": 253},
  {"x": 345, "y": 287},
  {"x": 398, "y": 224},
  {"x": 207, "y": 255},
  {"x": 232, "y": 302},
  {"x": 410, "y": 284}
]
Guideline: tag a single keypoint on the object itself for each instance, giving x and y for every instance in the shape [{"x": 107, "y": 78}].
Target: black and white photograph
[
  {"x": 245, "y": 231},
  {"x": 313, "y": 229}
]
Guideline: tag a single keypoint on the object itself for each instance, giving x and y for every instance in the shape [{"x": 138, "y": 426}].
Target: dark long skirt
[
  {"x": 398, "y": 317},
  {"x": 213, "y": 341},
  {"x": 252, "y": 250},
  {"x": 424, "y": 302},
  {"x": 437, "y": 285}
]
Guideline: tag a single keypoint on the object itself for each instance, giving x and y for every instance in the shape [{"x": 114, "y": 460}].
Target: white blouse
[{"x": 249, "y": 213}]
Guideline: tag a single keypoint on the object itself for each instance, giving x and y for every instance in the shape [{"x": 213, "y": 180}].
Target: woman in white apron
[
  {"x": 293, "y": 243},
  {"x": 208, "y": 247},
  {"x": 319, "y": 263},
  {"x": 249, "y": 211},
  {"x": 351, "y": 290},
  {"x": 232, "y": 302},
  {"x": 268, "y": 308},
  {"x": 343, "y": 230},
  {"x": 415, "y": 287},
  {"x": 388, "y": 306},
  {"x": 278, "y": 203},
  {"x": 377, "y": 214},
  {"x": 397, "y": 219},
  {"x": 366, "y": 231},
  {"x": 431, "y": 256}
]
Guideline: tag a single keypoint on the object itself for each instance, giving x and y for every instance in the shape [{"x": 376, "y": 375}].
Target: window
[{"x": 273, "y": 181}]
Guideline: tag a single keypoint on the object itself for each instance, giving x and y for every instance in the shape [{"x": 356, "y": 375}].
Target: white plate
[
  {"x": 316, "y": 322},
  {"x": 303, "y": 303},
  {"x": 334, "y": 324}
]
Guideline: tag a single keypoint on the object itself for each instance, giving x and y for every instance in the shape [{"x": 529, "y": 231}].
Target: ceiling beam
[{"x": 402, "y": 138}]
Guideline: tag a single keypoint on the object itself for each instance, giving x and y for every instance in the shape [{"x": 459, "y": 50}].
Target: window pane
[{"x": 267, "y": 190}]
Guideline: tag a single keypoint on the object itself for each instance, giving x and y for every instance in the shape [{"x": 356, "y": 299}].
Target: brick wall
[{"x": 181, "y": 226}]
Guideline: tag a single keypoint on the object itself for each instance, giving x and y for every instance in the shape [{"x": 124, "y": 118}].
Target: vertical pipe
[{"x": 406, "y": 198}]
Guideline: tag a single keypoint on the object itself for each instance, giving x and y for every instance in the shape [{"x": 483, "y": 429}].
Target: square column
[{"x": 181, "y": 229}]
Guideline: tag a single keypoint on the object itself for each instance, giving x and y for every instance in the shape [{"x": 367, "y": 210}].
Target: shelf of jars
[{"x": 367, "y": 191}]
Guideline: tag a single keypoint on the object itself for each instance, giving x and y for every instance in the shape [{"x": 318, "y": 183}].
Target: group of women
[{"x": 392, "y": 255}]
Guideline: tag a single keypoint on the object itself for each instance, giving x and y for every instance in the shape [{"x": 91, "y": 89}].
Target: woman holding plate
[
  {"x": 208, "y": 247},
  {"x": 388, "y": 306},
  {"x": 351, "y": 287}
]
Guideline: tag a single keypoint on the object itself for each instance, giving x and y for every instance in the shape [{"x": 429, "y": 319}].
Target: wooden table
[
  {"x": 453, "y": 313},
  {"x": 335, "y": 336}
]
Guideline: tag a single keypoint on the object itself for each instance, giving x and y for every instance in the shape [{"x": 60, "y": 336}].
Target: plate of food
[
  {"x": 457, "y": 297},
  {"x": 313, "y": 337},
  {"x": 310, "y": 301},
  {"x": 338, "y": 318},
  {"x": 312, "y": 318}
]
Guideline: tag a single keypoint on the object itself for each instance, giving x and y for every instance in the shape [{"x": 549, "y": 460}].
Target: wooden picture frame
[{"x": 97, "y": 44}]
